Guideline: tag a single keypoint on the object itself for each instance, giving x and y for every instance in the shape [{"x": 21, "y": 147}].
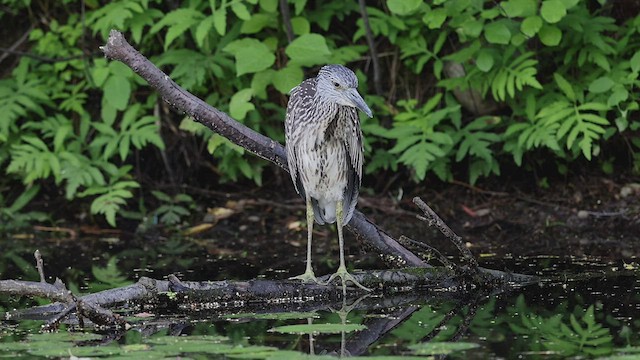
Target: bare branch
[
  {"x": 39, "y": 265},
  {"x": 16, "y": 44},
  {"x": 433, "y": 219}
]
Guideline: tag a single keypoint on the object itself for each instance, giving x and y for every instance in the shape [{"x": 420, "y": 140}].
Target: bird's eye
[{"x": 336, "y": 84}]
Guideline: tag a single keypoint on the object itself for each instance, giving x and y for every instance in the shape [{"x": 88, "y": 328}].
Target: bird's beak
[{"x": 358, "y": 102}]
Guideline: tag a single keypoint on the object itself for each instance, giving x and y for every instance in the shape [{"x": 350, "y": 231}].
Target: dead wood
[
  {"x": 191, "y": 297},
  {"x": 434, "y": 220}
]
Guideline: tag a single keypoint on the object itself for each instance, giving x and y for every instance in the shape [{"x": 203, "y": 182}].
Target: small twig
[
  {"x": 477, "y": 189},
  {"x": 433, "y": 219},
  {"x": 372, "y": 48},
  {"x": 163, "y": 152},
  {"x": 370, "y": 202},
  {"x": 52, "y": 324},
  {"x": 39, "y": 265},
  {"x": 441, "y": 325},
  {"x": 404, "y": 240},
  {"x": 59, "y": 292},
  {"x": 72, "y": 233},
  {"x": 539, "y": 202},
  {"x": 16, "y": 44},
  {"x": 286, "y": 19},
  {"x": 466, "y": 320},
  {"x": 298, "y": 205},
  {"x": 99, "y": 315},
  {"x": 392, "y": 77}
]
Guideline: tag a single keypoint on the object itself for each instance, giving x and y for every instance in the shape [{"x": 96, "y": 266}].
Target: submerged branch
[{"x": 117, "y": 48}]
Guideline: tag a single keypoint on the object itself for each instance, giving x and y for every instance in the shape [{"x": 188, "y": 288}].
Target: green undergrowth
[{"x": 467, "y": 87}]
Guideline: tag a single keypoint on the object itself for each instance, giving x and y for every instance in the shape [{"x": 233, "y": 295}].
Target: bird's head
[{"x": 338, "y": 84}]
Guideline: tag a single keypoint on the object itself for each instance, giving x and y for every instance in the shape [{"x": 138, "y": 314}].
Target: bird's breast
[{"x": 323, "y": 167}]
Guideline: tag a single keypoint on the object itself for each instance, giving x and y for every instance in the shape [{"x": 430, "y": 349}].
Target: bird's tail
[{"x": 324, "y": 211}]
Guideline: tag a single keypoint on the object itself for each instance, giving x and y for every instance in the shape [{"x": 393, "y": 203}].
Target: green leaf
[
  {"x": 240, "y": 10},
  {"x": 318, "y": 328},
  {"x": 485, "y": 61},
  {"x": 258, "y": 22},
  {"x": 466, "y": 53},
  {"x": 635, "y": 62},
  {"x": 435, "y": 18},
  {"x": 269, "y": 6},
  {"x": 110, "y": 274},
  {"x": 220, "y": 20},
  {"x": 117, "y": 90},
  {"x": 260, "y": 82},
  {"x": 531, "y": 25},
  {"x": 100, "y": 74},
  {"x": 519, "y": 8},
  {"x": 565, "y": 86},
  {"x": 568, "y": 4},
  {"x": 620, "y": 94},
  {"x": 24, "y": 199},
  {"x": 403, "y": 7},
  {"x": 550, "y": 35},
  {"x": 601, "y": 85},
  {"x": 593, "y": 106},
  {"x": 203, "y": 30},
  {"x": 435, "y": 348},
  {"x": 240, "y": 104},
  {"x": 251, "y": 55},
  {"x": 308, "y": 49},
  {"x": 497, "y": 33},
  {"x": 287, "y": 78},
  {"x": 473, "y": 28},
  {"x": 553, "y": 11},
  {"x": 300, "y": 25}
]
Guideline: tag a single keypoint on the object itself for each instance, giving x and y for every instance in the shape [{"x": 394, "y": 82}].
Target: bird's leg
[
  {"x": 308, "y": 275},
  {"x": 342, "y": 269}
]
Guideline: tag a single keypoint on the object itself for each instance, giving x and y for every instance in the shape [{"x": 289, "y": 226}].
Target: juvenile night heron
[{"x": 324, "y": 150}]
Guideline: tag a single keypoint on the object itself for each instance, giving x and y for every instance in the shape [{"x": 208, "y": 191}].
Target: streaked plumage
[{"x": 324, "y": 147}]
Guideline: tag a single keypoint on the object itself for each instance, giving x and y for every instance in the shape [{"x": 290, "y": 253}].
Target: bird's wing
[
  {"x": 301, "y": 98},
  {"x": 353, "y": 145}
]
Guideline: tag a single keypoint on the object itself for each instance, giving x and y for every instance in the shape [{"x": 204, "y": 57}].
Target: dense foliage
[{"x": 475, "y": 83}]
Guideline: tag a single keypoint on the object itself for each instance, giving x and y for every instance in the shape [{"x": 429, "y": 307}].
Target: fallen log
[{"x": 409, "y": 284}]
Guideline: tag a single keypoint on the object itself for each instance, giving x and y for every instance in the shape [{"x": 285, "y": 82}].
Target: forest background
[{"x": 461, "y": 90}]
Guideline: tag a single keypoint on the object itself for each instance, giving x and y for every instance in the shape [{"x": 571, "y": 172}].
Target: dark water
[{"x": 583, "y": 307}]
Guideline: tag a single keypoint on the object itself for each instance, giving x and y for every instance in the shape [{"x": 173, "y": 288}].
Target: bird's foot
[
  {"x": 344, "y": 275},
  {"x": 307, "y": 277}
]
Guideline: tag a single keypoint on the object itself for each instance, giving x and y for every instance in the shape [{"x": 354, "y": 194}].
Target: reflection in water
[{"x": 581, "y": 308}]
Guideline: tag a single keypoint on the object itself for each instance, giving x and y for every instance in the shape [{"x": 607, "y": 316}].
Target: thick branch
[
  {"x": 117, "y": 48},
  {"x": 225, "y": 295}
]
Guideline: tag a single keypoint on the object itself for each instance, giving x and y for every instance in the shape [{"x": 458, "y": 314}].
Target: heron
[{"x": 324, "y": 154}]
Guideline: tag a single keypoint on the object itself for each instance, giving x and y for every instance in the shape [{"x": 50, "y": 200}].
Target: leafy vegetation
[{"x": 467, "y": 87}]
